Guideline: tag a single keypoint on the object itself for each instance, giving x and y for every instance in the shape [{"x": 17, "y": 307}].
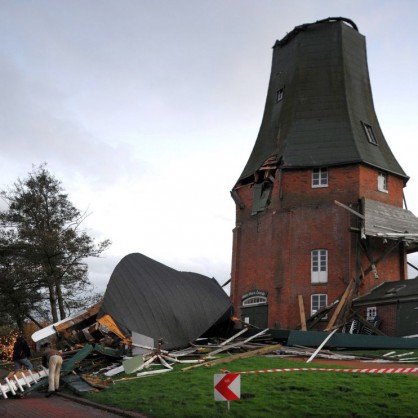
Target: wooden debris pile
[
  {"x": 212, "y": 352},
  {"x": 93, "y": 365}
]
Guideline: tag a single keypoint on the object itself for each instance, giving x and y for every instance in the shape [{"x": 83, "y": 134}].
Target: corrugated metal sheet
[
  {"x": 387, "y": 221},
  {"x": 323, "y": 72},
  {"x": 154, "y": 300}
]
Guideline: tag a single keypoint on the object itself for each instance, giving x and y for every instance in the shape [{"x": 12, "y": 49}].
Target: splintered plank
[
  {"x": 347, "y": 293},
  {"x": 239, "y": 344},
  {"x": 319, "y": 348},
  {"x": 248, "y": 354},
  {"x": 302, "y": 313}
]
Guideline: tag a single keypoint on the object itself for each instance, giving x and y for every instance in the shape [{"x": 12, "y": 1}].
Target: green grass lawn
[{"x": 282, "y": 394}]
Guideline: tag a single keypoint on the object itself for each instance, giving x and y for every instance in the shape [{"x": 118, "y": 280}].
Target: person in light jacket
[{"x": 52, "y": 359}]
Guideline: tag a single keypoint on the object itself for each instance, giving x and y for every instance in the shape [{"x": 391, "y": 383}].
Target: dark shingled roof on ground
[
  {"x": 157, "y": 301},
  {"x": 319, "y": 108}
]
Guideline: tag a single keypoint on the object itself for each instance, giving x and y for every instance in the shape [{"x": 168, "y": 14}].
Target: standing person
[
  {"x": 52, "y": 359},
  {"x": 21, "y": 354}
]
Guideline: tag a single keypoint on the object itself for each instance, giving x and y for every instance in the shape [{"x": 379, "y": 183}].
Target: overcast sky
[{"x": 147, "y": 111}]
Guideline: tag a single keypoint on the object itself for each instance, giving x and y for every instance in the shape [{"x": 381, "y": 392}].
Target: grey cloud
[{"x": 35, "y": 130}]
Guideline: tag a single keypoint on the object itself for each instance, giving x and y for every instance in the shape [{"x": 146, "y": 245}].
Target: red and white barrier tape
[{"x": 323, "y": 369}]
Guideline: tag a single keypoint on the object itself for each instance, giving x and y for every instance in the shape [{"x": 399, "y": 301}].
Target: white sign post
[{"x": 227, "y": 387}]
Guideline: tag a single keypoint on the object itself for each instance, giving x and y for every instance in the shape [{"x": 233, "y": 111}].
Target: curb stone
[{"x": 121, "y": 412}]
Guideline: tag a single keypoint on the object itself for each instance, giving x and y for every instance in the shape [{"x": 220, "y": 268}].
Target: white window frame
[
  {"x": 371, "y": 313},
  {"x": 382, "y": 182},
  {"x": 319, "y": 266},
  {"x": 319, "y": 177},
  {"x": 318, "y": 301}
]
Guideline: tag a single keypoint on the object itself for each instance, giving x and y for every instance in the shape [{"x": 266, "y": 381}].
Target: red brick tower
[{"x": 308, "y": 202}]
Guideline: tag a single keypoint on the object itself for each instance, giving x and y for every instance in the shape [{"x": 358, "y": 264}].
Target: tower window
[
  {"x": 319, "y": 266},
  {"x": 382, "y": 182},
  {"x": 318, "y": 301},
  {"x": 369, "y": 133},
  {"x": 320, "y": 177},
  {"x": 279, "y": 95}
]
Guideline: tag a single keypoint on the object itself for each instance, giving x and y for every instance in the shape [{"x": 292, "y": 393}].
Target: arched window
[{"x": 255, "y": 300}]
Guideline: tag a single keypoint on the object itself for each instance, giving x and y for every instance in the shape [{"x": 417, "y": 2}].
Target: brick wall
[
  {"x": 272, "y": 250},
  {"x": 368, "y": 187}
]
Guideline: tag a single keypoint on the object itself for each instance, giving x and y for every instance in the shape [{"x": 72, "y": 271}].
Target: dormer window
[
  {"x": 320, "y": 177},
  {"x": 382, "y": 182},
  {"x": 369, "y": 133},
  {"x": 279, "y": 95}
]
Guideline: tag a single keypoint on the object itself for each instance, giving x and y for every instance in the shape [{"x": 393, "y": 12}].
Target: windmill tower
[{"x": 319, "y": 204}]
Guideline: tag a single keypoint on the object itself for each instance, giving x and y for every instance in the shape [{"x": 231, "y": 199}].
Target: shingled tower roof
[{"x": 319, "y": 108}]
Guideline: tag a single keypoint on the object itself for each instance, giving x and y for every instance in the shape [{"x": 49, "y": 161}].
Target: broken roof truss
[{"x": 378, "y": 220}]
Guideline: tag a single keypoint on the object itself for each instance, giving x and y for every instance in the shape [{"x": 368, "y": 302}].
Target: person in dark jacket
[
  {"x": 52, "y": 360},
  {"x": 21, "y": 354}
]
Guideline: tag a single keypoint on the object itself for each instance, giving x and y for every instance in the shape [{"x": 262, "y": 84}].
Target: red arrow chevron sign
[{"x": 227, "y": 387}]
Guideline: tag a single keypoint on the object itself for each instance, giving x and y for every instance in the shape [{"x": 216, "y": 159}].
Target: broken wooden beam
[
  {"x": 239, "y": 344},
  {"x": 248, "y": 354},
  {"x": 234, "y": 336},
  {"x": 345, "y": 297},
  {"x": 354, "y": 212},
  {"x": 302, "y": 313},
  {"x": 319, "y": 348},
  {"x": 90, "y": 313}
]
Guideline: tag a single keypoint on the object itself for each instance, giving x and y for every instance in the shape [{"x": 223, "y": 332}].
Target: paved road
[{"x": 36, "y": 405}]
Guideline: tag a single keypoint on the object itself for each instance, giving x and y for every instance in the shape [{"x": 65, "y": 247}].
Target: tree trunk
[
  {"x": 53, "y": 301},
  {"x": 60, "y": 300},
  {"x": 19, "y": 322},
  {"x": 35, "y": 321}
]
